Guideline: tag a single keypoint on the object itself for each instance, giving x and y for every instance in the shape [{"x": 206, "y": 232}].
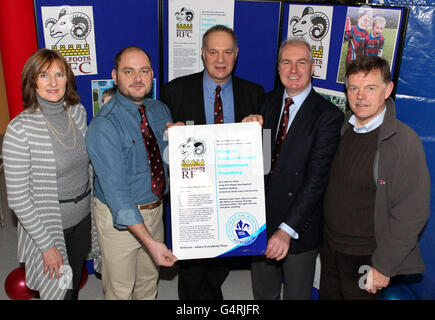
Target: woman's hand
[{"x": 53, "y": 261}]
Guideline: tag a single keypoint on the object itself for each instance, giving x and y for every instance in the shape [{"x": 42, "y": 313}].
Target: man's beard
[{"x": 135, "y": 98}]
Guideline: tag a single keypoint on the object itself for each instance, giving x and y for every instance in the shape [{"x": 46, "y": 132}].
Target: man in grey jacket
[{"x": 378, "y": 195}]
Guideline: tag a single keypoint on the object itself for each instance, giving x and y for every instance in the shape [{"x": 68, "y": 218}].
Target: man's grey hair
[
  {"x": 219, "y": 27},
  {"x": 291, "y": 41}
]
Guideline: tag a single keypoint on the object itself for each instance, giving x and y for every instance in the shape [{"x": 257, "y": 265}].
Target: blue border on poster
[{"x": 255, "y": 248}]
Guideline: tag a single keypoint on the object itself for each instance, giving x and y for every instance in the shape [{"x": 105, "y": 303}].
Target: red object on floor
[
  {"x": 84, "y": 277},
  {"x": 15, "y": 285}
]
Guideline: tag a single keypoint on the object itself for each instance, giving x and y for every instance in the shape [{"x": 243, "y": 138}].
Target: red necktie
[
  {"x": 154, "y": 158},
  {"x": 218, "y": 113},
  {"x": 282, "y": 130}
]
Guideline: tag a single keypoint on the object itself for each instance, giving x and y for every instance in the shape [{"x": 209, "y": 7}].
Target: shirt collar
[
  {"x": 210, "y": 86},
  {"x": 299, "y": 98},
  {"x": 371, "y": 125},
  {"x": 360, "y": 29},
  {"x": 127, "y": 104}
]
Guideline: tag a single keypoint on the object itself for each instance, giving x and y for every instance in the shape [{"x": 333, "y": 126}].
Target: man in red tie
[
  {"x": 305, "y": 134},
  {"x": 125, "y": 144},
  {"x": 211, "y": 96}
]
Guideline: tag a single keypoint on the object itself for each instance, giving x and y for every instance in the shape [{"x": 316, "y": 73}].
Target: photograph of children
[
  {"x": 368, "y": 31},
  {"x": 107, "y": 95},
  {"x": 336, "y": 97},
  {"x": 102, "y": 91}
]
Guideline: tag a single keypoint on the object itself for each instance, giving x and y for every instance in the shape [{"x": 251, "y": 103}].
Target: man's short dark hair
[
  {"x": 126, "y": 49},
  {"x": 219, "y": 27},
  {"x": 366, "y": 64}
]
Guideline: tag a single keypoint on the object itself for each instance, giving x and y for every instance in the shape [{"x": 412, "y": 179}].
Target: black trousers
[
  {"x": 342, "y": 276},
  {"x": 78, "y": 245},
  {"x": 202, "y": 279}
]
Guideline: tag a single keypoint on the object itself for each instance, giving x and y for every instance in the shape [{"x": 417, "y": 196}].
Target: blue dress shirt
[
  {"x": 117, "y": 151},
  {"x": 209, "y": 88}
]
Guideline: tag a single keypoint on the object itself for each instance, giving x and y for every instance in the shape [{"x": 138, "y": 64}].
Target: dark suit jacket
[
  {"x": 185, "y": 98},
  {"x": 294, "y": 190}
]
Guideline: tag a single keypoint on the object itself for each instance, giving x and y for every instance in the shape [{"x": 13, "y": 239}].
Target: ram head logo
[
  {"x": 184, "y": 15},
  {"x": 192, "y": 150},
  {"x": 312, "y": 24},
  {"x": 70, "y": 27}
]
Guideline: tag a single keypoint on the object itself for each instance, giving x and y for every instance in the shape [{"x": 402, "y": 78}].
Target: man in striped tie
[{"x": 305, "y": 131}]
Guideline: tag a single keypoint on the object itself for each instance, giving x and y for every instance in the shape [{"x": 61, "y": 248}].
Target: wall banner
[
  {"x": 188, "y": 21},
  {"x": 70, "y": 30},
  {"x": 313, "y": 24}
]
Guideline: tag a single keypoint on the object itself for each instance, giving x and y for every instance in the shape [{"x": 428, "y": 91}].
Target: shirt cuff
[
  {"x": 127, "y": 217},
  {"x": 289, "y": 230}
]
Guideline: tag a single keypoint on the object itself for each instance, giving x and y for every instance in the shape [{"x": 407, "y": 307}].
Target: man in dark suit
[
  {"x": 201, "y": 98},
  {"x": 302, "y": 152}
]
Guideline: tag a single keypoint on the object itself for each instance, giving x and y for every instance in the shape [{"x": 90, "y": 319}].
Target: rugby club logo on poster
[
  {"x": 313, "y": 24},
  {"x": 192, "y": 153},
  {"x": 184, "y": 25},
  {"x": 70, "y": 30}
]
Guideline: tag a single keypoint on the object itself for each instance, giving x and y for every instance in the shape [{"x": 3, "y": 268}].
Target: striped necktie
[{"x": 282, "y": 130}]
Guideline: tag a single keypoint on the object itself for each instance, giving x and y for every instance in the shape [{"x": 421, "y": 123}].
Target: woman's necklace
[{"x": 57, "y": 133}]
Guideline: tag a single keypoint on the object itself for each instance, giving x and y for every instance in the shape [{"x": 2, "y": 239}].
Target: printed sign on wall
[
  {"x": 313, "y": 24},
  {"x": 188, "y": 21},
  {"x": 70, "y": 30}
]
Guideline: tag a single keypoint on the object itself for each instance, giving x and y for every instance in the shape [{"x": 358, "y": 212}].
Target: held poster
[
  {"x": 188, "y": 21},
  {"x": 217, "y": 190}
]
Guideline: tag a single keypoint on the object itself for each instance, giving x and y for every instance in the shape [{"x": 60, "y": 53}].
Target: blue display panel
[{"x": 115, "y": 24}]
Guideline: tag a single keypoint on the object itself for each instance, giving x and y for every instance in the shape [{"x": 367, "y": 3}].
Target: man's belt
[{"x": 150, "y": 206}]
